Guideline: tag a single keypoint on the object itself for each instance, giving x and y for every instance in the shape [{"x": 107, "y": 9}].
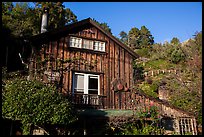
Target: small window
[
  {"x": 98, "y": 45},
  {"x": 75, "y": 42},
  {"x": 86, "y": 44}
]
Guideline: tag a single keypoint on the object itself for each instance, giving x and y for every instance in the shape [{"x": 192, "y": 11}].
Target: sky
[{"x": 164, "y": 20}]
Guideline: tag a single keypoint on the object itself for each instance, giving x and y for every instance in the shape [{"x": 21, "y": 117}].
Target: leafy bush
[
  {"x": 35, "y": 103},
  {"x": 177, "y": 55},
  {"x": 149, "y": 89},
  {"x": 138, "y": 72},
  {"x": 142, "y": 127},
  {"x": 143, "y": 52}
]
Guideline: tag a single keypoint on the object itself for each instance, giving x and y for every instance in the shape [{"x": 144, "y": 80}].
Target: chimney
[{"x": 44, "y": 24}]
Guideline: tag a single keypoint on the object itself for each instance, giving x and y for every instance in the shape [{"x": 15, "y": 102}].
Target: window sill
[{"x": 86, "y": 50}]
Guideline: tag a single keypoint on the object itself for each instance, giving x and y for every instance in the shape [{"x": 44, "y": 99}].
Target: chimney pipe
[{"x": 44, "y": 24}]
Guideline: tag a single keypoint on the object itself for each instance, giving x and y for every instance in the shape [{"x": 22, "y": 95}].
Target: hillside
[{"x": 172, "y": 72}]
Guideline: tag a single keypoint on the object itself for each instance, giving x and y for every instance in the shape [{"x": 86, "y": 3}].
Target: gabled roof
[{"x": 67, "y": 28}]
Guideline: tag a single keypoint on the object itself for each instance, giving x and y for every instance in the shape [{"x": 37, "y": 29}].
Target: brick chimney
[{"x": 44, "y": 24}]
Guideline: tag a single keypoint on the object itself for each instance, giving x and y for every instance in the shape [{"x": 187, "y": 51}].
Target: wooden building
[
  {"x": 86, "y": 61},
  {"x": 95, "y": 69}
]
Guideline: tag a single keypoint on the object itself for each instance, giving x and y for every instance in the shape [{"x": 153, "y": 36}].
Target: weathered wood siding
[{"x": 115, "y": 62}]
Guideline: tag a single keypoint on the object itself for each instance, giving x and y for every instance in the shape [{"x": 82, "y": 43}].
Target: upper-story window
[
  {"x": 75, "y": 42},
  {"x": 87, "y": 44}
]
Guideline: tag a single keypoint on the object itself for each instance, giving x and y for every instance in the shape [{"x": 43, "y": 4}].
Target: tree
[
  {"x": 104, "y": 26},
  {"x": 146, "y": 38},
  {"x": 175, "y": 41},
  {"x": 177, "y": 55},
  {"x": 19, "y": 18},
  {"x": 32, "y": 102},
  {"x": 138, "y": 39},
  {"x": 58, "y": 15},
  {"x": 124, "y": 37},
  {"x": 25, "y": 21},
  {"x": 134, "y": 38}
]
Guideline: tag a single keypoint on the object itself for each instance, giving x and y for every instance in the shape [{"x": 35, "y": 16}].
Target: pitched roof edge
[
  {"x": 113, "y": 38},
  {"x": 166, "y": 103},
  {"x": 82, "y": 22}
]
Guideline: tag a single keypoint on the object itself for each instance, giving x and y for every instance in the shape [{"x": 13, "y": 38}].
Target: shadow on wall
[
  {"x": 11, "y": 47},
  {"x": 168, "y": 124},
  {"x": 90, "y": 122},
  {"x": 11, "y": 127}
]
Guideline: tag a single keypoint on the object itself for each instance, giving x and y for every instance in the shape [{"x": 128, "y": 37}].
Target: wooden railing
[{"x": 89, "y": 100}]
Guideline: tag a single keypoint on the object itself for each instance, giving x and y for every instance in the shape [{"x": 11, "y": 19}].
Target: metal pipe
[{"x": 44, "y": 24}]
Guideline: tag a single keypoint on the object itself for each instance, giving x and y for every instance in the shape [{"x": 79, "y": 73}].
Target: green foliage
[
  {"x": 104, "y": 25},
  {"x": 124, "y": 37},
  {"x": 158, "y": 64},
  {"x": 149, "y": 89},
  {"x": 146, "y": 38},
  {"x": 134, "y": 38},
  {"x": 177, "y": 55},
  {"x": 138, "y": 71},
  {"x": 135, "y": 129},
  {"x": 186, "y": 96},
  {"x": 143, "y": 52},
  {"x": 19, "y": 18},
  {"x": 175, "y": 41},
  {"x": 150, "y": 112},
  {"x": 141, "y": 127},
  {"x": 140, "y": 38},
  {"x": 59, "y": 16},
  {"x": 25, "y": 21},
  {"x": 35, "y": 103}
]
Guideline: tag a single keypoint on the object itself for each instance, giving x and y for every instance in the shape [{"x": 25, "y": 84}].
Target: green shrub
[
  {"x": 32, "y": 102},
  {"x": 143, "y": 52},
  {"x": 177, "y": 55}
]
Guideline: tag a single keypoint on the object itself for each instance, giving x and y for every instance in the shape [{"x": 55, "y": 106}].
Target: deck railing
[{"x": 89, "y": 100}]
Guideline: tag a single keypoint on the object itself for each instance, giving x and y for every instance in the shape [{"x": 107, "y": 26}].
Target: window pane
[
  {"x": 96, "y": 44},
  {"x": 75, "y": 42},
  {"x": 85, "y": 44},
  {"x": 91, "y": 45},
  {"x": 99, "y": 46},
  {"x": 102, "y": 46},
  {"x": 88, "y": 44},
  {"x": 93, "y": 85},
  {"x": 79, "y": 83}
]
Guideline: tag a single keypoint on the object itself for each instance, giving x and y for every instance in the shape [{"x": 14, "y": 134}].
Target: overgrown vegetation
[
  {"x": 34, "y": 103},
  {"x": 25, "y": 20},
  {"x": 185, "y": 85},
  {"x": 141, "y": 125}
]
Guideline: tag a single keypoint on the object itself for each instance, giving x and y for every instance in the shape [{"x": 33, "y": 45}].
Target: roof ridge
[{"x": 82, "y": 22}]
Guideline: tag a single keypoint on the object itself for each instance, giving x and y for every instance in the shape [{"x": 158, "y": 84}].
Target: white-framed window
[
  {"x": 75, "y": 42},
  {"x": 99, "y": 46},
  {"x": 86, "y": 83},
  {"x": 87, "y": 44}
]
